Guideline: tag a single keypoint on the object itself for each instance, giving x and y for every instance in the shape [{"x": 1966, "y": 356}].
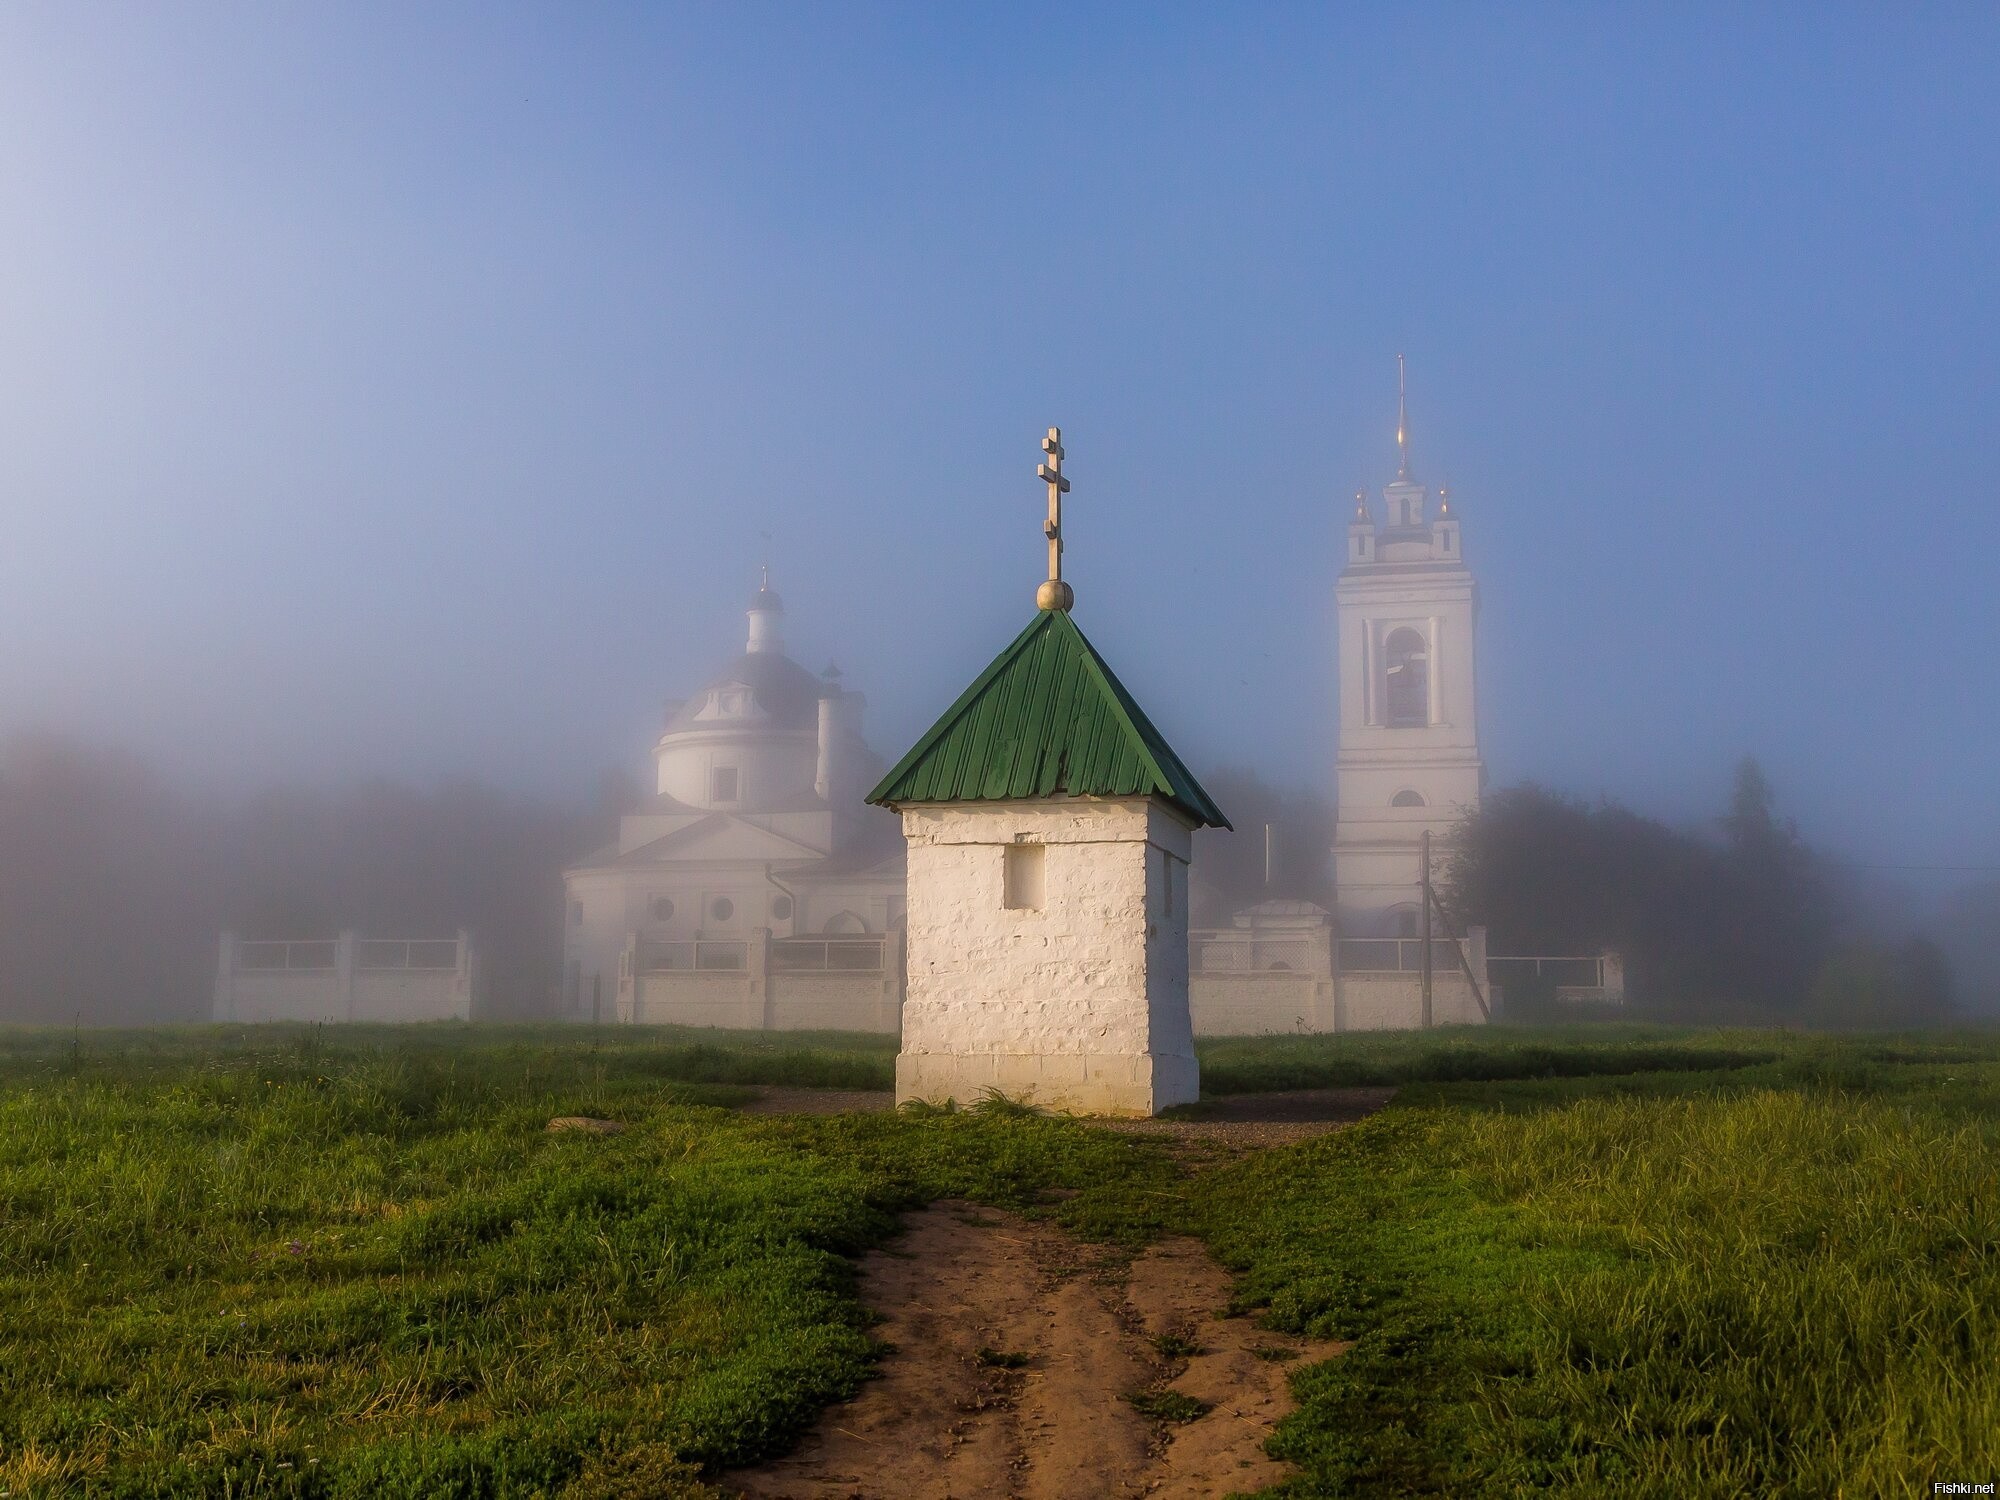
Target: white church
[{"x": 756, "y": 889}]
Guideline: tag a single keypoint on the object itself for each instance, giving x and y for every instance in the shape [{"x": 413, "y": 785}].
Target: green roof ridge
[{"x": 1028, "y": 727}]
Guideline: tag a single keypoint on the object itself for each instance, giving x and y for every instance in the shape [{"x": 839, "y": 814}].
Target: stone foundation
[{"x": 1074, "y": 1083}]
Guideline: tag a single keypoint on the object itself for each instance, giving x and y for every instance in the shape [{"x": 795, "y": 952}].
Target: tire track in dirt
[{"x": 1015, "y": 1351}]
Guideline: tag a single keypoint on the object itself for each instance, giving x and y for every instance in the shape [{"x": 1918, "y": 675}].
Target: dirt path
[{"x": 1016, "y": 1351}]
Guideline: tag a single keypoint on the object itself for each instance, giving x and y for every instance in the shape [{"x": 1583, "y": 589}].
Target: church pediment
[{"x": 727, "y": 837}]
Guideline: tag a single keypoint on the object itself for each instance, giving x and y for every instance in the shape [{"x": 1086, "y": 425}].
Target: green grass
[
  {"x": 1775, "y": 1280},
  {"x": 322, "y": 1264},
  {"x": 1589, "y": 1261}
]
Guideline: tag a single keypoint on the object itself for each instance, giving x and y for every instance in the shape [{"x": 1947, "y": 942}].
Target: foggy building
[
  {"x": 755, "y": 854},
  {"x": 1409, "y": 735},
  {"x": 756, "y": 889}
]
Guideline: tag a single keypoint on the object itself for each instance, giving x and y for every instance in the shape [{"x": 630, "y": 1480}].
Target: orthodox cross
[{"x": 1054, "y": 594}]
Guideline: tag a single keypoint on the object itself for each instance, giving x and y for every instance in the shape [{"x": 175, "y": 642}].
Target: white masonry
[{"x": 1048, "y": 955}]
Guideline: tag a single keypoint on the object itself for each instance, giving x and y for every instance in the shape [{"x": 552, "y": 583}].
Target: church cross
[{"x": 1054, "y": 594}]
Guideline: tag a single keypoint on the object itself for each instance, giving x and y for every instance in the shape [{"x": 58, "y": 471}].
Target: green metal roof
[{"x": 1047, "y": 718}]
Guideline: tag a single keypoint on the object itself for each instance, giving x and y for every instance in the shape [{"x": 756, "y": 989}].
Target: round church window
[
  {"x": 722, "y": 909},
  {"x": 663, "y": 909},
  {"x": 781, "y": 908}
]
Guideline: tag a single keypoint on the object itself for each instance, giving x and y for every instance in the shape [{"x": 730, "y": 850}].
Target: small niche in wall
[{"x": 1025, "y": 876}]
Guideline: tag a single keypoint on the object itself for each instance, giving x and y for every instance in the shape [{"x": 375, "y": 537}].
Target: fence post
[
  {"x": 1426, "y": 846},
  {"x": 1611, "y": 975},
  {"x": 343, "y": 970},
  {"x": 225, "y": 980},
  {"x": 628, "y": 979},
  {"x": 759, "y": 959},
  {"x": 467, "y": 969}
]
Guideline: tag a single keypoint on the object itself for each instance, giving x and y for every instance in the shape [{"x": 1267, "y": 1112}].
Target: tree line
[
  {"x": 115, "y": 887},
  {"x": 1742, "y": 923}
]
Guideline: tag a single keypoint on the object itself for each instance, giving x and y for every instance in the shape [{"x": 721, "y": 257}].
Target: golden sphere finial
[{"x": 1054, "y": 594}]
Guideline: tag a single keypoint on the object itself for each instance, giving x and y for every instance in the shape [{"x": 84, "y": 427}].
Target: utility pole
[{"x": 1426, "y": 846}]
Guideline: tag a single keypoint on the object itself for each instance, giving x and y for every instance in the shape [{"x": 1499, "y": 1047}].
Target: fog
[{"x": 396, "y": 407}]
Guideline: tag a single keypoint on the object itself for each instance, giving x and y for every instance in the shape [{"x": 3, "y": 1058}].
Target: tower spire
[{"x": 1402, "y": 424}]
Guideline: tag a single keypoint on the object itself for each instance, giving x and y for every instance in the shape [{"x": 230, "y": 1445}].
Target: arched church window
[
  {"x": 1407, "y": 919},
  {"x": 847, "y": 921},
  {"x": 1407, "y": 798},
  {"x": 1407, "y": 688}
]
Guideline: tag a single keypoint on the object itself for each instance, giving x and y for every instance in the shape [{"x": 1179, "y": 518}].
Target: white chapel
[{"x": 1408, "y": 757}]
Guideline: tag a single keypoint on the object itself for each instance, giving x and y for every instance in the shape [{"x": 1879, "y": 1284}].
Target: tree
[
  {"x": 113, "y": 889},
  {"x": 1708, "y": 929},
  {"x": 1783, "y": 914},
  {"x": 1869, "y": 985},
  {"x": 107, "y": 890}
]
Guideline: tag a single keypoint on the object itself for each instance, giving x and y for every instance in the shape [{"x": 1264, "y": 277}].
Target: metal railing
[
  {"x": 269, "y": 956},
  {"x": 1397, "y": 955},
  {"x": 662, "y": 956},
  {"x": 866, "y": 954},
  {"x": 406, "y": 953}
]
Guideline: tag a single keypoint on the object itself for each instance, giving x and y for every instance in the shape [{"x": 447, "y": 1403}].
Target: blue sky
[{"x": 403, "y": 389}]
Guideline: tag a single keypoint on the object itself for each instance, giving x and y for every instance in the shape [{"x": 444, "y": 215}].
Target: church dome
[
  {"x": 766, "y": 686},
  {"x": 766, "y": 598}
]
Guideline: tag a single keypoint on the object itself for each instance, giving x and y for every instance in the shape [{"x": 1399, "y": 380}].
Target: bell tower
[{"x": 1409, "y": 734}]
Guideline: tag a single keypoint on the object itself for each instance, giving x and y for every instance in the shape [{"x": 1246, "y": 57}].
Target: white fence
[
  {"x": 845, "y": 982},
  {"x": 1246, "y": 981},
  {"x": 348, "y": 978}
]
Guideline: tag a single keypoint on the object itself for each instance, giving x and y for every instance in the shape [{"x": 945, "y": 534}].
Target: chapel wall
[{"x": 1068, "y": 977}]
